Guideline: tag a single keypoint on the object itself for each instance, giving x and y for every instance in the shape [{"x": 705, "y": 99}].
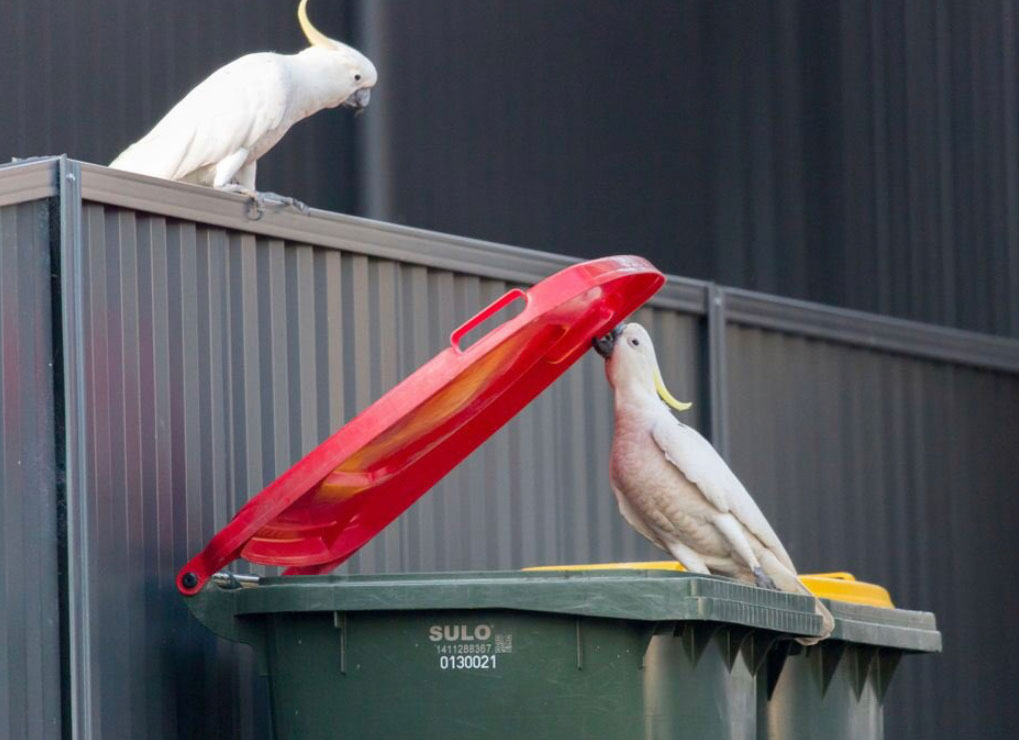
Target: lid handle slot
[{"x": 468, "y": 326}]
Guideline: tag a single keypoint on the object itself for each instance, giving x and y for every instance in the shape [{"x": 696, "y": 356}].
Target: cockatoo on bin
[
  {"x": 676, "y": 490},
  {"x": 216, "y": 134}
]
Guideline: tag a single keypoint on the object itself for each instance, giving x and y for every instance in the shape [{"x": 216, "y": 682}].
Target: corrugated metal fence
[
  {"x": 29, "y": 608},
  {"x": 203, "y": 353}
]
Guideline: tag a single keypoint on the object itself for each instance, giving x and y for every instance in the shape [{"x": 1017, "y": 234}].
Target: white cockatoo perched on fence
[
  {"x": 676, "y": 490},
  {"x": 216, "y": 134}
]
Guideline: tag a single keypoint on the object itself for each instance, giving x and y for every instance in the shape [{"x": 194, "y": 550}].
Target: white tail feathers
[
  {"x": 787, "y": 580},
  {"x": 827, "y": 622}
]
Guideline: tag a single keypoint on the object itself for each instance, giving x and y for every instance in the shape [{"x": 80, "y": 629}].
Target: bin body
[
  {"x": 807, "y": 703},
  {"x": 836, "y": 689},
  {"x": 537, "y": 675},
  {"x": 511, "y": 655}
]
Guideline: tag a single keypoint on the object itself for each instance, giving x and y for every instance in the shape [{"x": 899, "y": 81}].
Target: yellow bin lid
[{"x": 834, "y": 586}]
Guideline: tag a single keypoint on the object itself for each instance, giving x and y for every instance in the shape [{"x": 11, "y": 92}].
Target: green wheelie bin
[{"x": 561, "y": 654}]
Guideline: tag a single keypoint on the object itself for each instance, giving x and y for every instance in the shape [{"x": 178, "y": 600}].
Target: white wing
[
  {"x": 704, "y": 467},
  {"x": 230, "y": 110}
]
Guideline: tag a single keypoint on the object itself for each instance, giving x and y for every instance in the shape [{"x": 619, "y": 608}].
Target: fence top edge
[
  {"x": 871, "y": 331},
  {"x": 522, "y": 265}
]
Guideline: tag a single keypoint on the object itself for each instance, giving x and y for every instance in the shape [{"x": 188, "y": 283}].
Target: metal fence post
[
  {"x": 718, "y": 397},
  {"x": 69, "y": 341}
]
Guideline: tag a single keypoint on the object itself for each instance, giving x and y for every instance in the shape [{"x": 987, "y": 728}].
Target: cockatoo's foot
[
  {"x": 276, "y": 200},
  {"x": 763, "y": 580},
  {"x": 258, "y": 201}
]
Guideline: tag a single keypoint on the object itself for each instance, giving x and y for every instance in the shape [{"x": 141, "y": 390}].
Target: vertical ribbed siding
[
  {"x": 30, "y": 672},
  {"x": 215, "y": 359},
  {"x": 902, "y": 471},
  {"x": 161, "y": 472}
]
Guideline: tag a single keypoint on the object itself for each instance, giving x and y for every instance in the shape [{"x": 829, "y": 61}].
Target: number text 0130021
[{"x": 467, "y": 662}]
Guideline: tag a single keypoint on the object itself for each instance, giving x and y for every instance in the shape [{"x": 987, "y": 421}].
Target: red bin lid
[{"x": 345, "y": 491}]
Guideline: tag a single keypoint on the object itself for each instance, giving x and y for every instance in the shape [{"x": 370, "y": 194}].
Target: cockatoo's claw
[
  {"x": 285, "y": 201},
  {"x": 763, "y": 580},
  {"x": 255, "y": 208},
  {"x": 258, "y": 201}
]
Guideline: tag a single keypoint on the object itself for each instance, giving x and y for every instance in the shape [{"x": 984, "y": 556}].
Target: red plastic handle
[{"x": 483, "y": 315}]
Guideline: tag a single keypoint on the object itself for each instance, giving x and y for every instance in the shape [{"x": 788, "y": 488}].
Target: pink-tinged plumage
[{"x": 675, "y": 489}]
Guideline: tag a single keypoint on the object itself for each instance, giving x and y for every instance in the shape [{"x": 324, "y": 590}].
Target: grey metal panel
[
  {"x": 30, "y": 668},
  {"x": 29, "y": 180},
  {"x": 152, "y": 480},
  {"x": 871, "y": 330},
  {"x": 103, "y": 185},
  {"x": 504, "y": 262},
  {"x": 215, "y": 358},
  {"x": 903, "y": 471}
]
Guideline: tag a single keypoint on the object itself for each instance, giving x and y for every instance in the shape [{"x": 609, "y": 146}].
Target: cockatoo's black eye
[
  {"x": 635, "y": 342},
  {"x": 357, "y": 78}
]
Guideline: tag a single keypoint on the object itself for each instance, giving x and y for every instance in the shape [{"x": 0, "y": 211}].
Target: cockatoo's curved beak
[
  {"x": 664, "y": 394},
  {"x": 358, "y": 99},
  {"x": 604, "y": 345}
]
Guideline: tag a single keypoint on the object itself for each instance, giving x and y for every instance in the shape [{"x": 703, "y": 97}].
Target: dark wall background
[
  {"x": 864, "y": 154},
  {"x": 855, "y": 153}
]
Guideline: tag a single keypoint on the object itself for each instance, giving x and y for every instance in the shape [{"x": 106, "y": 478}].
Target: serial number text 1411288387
[{"x": 470, "y": 648}]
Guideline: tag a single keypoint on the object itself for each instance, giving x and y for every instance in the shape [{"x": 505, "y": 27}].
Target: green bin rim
[{"x": 652, "y": 596}]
